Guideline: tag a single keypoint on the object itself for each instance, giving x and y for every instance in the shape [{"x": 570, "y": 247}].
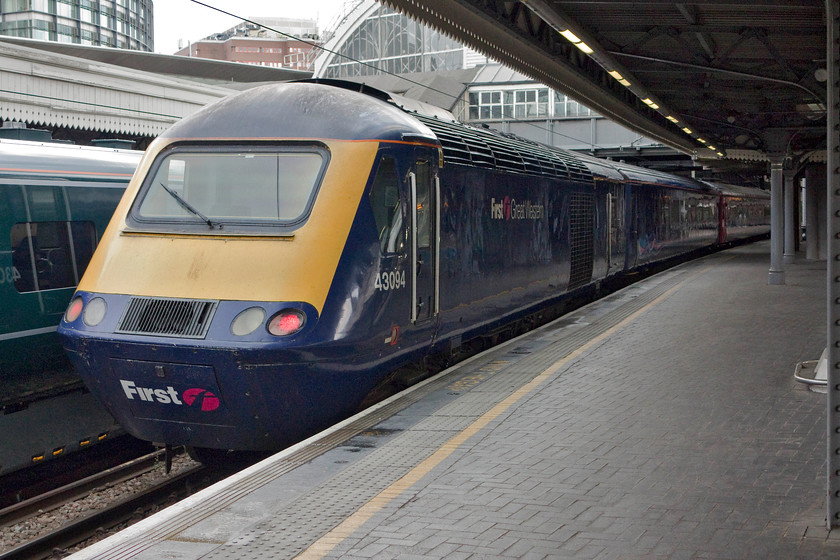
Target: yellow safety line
[{"x": 333, "y": 538}]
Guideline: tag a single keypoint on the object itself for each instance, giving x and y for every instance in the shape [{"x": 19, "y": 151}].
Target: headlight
[
  {"x": 95, "y": 312},
  {"x": 288, "y": 321},
  {"x": 247, "y": 321}
]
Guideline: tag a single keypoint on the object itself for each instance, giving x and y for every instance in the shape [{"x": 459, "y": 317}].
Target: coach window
[
  {"x": 50, "y": 255},
  {"x": 387, "y": 211}
]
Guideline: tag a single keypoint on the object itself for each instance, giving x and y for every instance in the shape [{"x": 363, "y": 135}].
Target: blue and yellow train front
[{"x": 199, "y": 319}]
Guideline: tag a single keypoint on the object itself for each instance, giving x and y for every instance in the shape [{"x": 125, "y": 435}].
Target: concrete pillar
[
  {"x": 776, "y": 277},
  {"x": 790, "y": 219}
]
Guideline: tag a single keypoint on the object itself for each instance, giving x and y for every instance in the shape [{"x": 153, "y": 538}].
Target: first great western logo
[
  {"x": 511, "y": 209},
  {"x": 194, "y": 397}
]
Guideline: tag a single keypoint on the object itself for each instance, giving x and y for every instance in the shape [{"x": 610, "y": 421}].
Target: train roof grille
[
  {"x": 488, "y": 148},
  {"x": 172, "y": 317}
]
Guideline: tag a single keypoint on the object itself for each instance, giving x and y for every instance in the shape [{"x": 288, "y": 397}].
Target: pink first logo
[{"x": 201, "y": 398}]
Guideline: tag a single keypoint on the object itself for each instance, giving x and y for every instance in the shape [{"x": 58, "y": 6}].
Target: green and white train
[{"x": 55, "y": 201}]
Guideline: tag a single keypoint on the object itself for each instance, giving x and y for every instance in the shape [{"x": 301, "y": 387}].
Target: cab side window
[
  {"x": 387, "y": 210},
  {"x": 424, "y": 208},
  {"x": 50, "y": 255}
]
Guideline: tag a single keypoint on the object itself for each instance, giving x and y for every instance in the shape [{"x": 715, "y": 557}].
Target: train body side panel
[
  {"x": 508, "y": 244},
  {"x": 746, "y": 217},
  {"x": 670, "y": 222}
]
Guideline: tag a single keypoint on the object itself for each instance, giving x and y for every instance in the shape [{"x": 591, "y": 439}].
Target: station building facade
[{"x": 123, "y": 24}]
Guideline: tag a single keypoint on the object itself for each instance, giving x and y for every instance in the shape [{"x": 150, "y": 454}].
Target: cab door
[{"x": 424, "y": 237}]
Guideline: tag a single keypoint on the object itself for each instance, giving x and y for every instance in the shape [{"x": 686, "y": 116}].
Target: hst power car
[{"x": 283, "y": 250}]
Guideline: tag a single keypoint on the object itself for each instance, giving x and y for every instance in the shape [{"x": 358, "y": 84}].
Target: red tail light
[
  {"x": 288, "y": 321},
  {"x": 74, "y": 310}
]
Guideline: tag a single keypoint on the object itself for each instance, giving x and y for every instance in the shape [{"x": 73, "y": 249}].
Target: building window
[
  {"x": 487, "y": 105},
  {"x": 67, "y": 20},
  {"x": 569, "y": 108},
  {"x": 530, "y": 103},
  {"x": 391, "y": 42}
]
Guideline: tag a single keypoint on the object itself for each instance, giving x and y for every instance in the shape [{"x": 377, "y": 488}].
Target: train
[
  {"x": 281, "y": 252},
  {"x": 55, "y": 202}
]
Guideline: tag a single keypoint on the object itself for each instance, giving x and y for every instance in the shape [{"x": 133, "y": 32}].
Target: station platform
[{"x": 663, "y": 421}]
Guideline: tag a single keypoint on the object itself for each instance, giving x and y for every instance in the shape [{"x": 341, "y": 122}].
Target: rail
[
  {"x": 79, "y": 530},
  {"x": 54, "y": 498}
]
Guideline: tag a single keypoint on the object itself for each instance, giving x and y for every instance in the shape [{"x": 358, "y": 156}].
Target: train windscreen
[{"x": 262, "y": 187}]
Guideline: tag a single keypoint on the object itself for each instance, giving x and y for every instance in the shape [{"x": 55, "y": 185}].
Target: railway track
[
  {"x": 117, "y": 514},
  {"x": 21, "y": 485},
  {"x": 74, "y": 490}
]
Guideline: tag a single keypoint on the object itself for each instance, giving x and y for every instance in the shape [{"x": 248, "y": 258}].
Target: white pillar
[
  {"x": 790, "y": 221},
  {"x": 776, "y": 276}
]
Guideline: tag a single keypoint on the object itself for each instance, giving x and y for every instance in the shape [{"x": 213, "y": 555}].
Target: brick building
[{"x": 276, "y": 42}]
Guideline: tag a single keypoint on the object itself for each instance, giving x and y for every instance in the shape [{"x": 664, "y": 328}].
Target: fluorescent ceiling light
[
  {"x": 687, "y": 130},
  {"x": 575, "y": 40},
  {"x": 615, "y": 74},
  {"x": 570, "y": 36},
  {"x": 672, "y": 119}
]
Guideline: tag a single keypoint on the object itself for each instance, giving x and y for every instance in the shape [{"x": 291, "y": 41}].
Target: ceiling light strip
[{"x": 550, "y": 15}]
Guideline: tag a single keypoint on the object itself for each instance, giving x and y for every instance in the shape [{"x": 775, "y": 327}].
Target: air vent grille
[
  {"x": 488, "y": 148},
  {"x": 179, "y": 318},
  {"x": 581, "y": 238}
]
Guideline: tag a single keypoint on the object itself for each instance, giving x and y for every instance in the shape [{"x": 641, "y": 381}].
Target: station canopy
[
  {"x": 717, "y": 79},
  {"x": 118, "y": 92}
]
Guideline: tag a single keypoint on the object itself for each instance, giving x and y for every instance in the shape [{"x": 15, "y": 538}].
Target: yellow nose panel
[{"x": 250, "y": 268}]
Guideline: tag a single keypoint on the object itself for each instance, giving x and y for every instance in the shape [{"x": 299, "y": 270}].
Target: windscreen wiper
[{"x": 187, "y": 206}]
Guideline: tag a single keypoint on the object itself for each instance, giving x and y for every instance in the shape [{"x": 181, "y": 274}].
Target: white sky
[{"x": 183, "y": 19}]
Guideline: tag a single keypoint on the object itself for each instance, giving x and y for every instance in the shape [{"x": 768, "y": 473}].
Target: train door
[
  {"x": 631, "y": 207},
  {"x": 616, "y": 232},
  {"x": 424, "y": 236}
]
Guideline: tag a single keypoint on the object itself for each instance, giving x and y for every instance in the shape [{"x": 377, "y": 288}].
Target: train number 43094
[{"x": 393, "y": 280}]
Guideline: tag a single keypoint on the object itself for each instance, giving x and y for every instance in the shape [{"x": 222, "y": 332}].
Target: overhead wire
[{"x": 372, "y": 66}]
